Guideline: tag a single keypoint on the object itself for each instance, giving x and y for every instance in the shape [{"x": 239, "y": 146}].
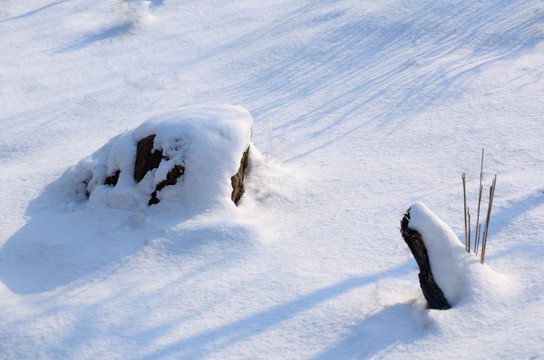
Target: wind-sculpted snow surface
[{"x": 360, "y": 109}]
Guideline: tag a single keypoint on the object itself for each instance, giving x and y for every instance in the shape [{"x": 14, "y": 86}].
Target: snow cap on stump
[
  {"x": 194, "y": 155},
  {"x": 447, "y": 255}
]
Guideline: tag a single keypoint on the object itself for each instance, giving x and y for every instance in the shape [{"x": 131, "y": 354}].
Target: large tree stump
[
  {"x": 147, "y": 160},
  {"x": 432, "y": 292},
  {"x": 197, "y": 154}
]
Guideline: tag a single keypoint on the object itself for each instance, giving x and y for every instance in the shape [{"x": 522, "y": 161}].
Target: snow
[{"x": 360, "y": 109}]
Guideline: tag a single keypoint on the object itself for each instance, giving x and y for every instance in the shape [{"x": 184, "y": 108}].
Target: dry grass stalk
[
  {"x": 480, "y": 239},
  {"x": 469, "y": 227},
  {"x": 478, "y": 225},
  {"x": 467, "y": 241},
  {"x": 489, "y": 207},
  {"x": 477, "y": 239}
]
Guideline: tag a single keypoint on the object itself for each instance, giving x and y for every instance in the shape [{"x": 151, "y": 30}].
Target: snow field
[{"x": 360, "y": 110}]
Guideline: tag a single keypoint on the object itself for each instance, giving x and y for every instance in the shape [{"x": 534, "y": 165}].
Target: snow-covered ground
[{"x": 360, "y": 109}]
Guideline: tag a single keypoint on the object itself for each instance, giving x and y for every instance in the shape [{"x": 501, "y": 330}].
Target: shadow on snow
[
  {"x": 206, "y": 343},
  {"x": 62, "y": 242}
]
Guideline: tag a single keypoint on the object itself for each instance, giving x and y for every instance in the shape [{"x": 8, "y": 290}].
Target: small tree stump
[{"x": 432, "y": 292}]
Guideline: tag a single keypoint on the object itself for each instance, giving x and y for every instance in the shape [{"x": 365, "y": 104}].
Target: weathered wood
[
  {"x": 146, "y": 160},
  {"x": 237, "y": 181},
  {"x": 432, "y": 292}
]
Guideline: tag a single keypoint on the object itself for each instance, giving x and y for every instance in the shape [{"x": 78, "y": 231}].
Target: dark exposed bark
[
  {"x": 432, "y": 292},
  {"x": 145, "y": 159},
  {"x": 237, "y": 181}
]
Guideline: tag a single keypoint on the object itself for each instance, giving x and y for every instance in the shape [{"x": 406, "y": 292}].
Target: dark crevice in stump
[
  {"x": 237, "y": 181},
  {"x": 432, "y": 292},
  {"x": 86, "y": 183},
  {"x": 112, "y": 179},
  {"x": 171, "y": 179}
]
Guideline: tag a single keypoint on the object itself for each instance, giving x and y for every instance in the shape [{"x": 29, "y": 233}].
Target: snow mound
[
  {"x": 208, "y": 141},
  {"x": 80, "y": 227},
  {"x": 459, "y": 274}
]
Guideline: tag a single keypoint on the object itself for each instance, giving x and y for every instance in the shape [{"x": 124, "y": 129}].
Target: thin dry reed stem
[
  {"x": 467, "y": 241},
  {"x": 489, "y": 207},
  {"x": 478, "y": 225}
]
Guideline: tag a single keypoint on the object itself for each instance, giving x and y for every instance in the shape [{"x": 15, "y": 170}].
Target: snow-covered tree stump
[
  {"x": 195, "y": 156},
  {"x": 432, "y": 292}
]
